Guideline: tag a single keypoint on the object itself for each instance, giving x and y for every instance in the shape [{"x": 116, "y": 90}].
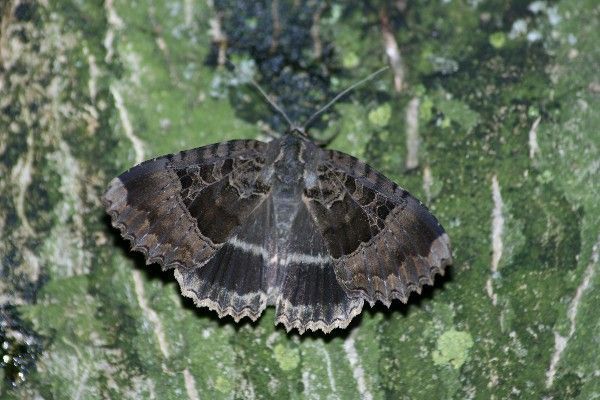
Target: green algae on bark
[{"x": 508, "y": 154}]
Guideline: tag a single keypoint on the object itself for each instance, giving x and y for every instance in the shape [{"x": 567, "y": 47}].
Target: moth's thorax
[{"x": 289, "y": 163}]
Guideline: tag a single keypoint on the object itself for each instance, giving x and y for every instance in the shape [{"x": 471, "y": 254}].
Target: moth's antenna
[
  {"x": 266, "y": 96},
  {"x": 340, "y": 95},
  {"x": 271, "y": 102}
]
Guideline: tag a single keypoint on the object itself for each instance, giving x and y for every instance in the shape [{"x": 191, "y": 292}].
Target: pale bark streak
[
  {"x": 357, "y": 369},
  {"x": 315, "y": 32},
  {"x": 190, "y": 385},
  {"x": 329, "y": 368},
  {"x": 497, "y": 233},
  {"x": 188, "y": 6},
  {"x": 533, "y": 143},
  {"x": 307, "y": 386},
  {"x": 159, "y": 332},
  {"x": 114, "y": 23},
  {"x": 216, "y": 34},
  {"x": 276, "y": 25},
  {"x": 137, "y": 276},
  {"x": 94, "y": 74},
  {"x": 560, "y": 342},
  {"x": 392, "y": 51},
  {"x": 138, "y": 146},
  {"x": 81, "y": 385},
  {"x": 21, "y": 175},
  {"x": 412, "y": 133},
  {"x": 427, "y": 182}
]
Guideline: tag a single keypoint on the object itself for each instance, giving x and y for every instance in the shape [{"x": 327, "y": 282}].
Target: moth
[{"x": 246, "y": 224}]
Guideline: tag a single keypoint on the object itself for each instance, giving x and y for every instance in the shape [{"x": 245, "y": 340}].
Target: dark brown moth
[{"x": 246, "y": 224}]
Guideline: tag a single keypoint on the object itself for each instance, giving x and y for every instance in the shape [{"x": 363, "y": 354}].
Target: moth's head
[{"x": 298, "y": 130}]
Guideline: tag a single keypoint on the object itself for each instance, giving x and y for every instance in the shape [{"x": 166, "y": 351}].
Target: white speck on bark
[
  {"x": 497, "y": 232},
  {"x": 533, "y": 143},
  {"x": 412, "y": 133},
  {"x": 560, "y": 342},
  {"x": 357, "y": 369}
]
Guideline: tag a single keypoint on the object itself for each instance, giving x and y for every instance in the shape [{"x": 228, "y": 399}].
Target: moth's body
[
  {"x": 289, "y": 159},
  {"x": 288, "y": 170},
  {"x": 248, "y": 224},
  {"x": 289, "y": 154}
]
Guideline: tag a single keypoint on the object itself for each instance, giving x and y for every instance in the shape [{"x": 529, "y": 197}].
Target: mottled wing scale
[
  {"x": 180, "y": 210},
  {"x": 384, "y": 242}
]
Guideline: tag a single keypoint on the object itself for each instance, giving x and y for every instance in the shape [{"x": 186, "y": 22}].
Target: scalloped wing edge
[
  {"x": 117, "y": 185},
  {"x": 302, "y": 325},
  {"x": 212, "y": 305},
  {"x": 437, "y": 267}
]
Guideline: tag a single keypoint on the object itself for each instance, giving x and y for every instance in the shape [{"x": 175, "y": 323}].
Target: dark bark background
[{"x": 489, "y": 114}]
